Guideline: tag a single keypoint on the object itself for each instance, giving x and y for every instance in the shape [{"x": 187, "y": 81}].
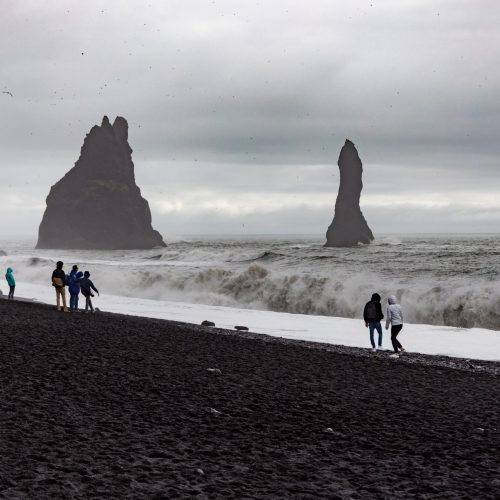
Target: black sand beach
[{"x": 109, "y": 406}]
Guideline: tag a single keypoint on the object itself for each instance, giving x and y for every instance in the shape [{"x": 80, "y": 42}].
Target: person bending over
[
  {"x": 11, "y": 282},
  {"x": 372, "y": 315},
  {"x": 86, "y": 287},
  {"x": 394, "y": 318}
]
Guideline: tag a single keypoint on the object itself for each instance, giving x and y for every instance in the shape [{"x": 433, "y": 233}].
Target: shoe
[
  {"x": 374, "y": 349},
  {"x": 395, "y": 355},
  {"x": 401, "y": 350},
  {"x": 380, "y": 348}
]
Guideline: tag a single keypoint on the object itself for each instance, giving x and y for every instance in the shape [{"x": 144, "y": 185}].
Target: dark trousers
[
  {"x": 88, "y": 303},
  {"x": 73, "y": 302},
  {"x": 11, "y": 291},
  {"x": 394, "y": 333}
]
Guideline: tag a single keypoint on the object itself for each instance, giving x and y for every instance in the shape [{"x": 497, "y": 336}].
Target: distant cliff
[
  {"x": 97, "y": 204},
  {"x": 349, "y": 227}
]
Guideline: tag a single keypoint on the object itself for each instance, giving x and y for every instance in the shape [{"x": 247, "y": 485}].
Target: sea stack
[
  {"x": 97, "y": 204},
  {"x": 349, "y": 227}
]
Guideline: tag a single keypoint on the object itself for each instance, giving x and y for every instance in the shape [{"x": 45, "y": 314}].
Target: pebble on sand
[{"x": 215, "y": 371}]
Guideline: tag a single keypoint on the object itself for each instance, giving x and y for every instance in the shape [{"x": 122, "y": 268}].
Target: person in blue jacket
[
  {"x": 71, "y": 280},
  {"x": 72, "y": 274},
  {"x": 75, "y": 278},
  {"x": 11, "y": 282},
  {"x": 87, "y": 286}
]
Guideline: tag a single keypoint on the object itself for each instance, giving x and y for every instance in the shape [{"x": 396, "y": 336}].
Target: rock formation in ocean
[
  {"x": 349, "y": 227},
  {"x": 97, "y": 204}
]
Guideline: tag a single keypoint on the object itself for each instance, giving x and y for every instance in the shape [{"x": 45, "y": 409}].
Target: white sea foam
[
  {"x": 442, "y": 281},
  {"x": 463, "y": 343}
]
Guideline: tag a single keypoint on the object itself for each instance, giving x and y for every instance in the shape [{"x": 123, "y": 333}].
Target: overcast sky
[{"x": 238, "y": 109}]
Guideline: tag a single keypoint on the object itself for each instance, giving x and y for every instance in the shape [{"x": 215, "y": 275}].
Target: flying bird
[{"x": 7, "y": 92}]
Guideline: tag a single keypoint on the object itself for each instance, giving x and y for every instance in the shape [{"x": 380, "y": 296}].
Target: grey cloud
[
  {"x": 236, "y": 97},
  {"x": 304, "y": 220}
]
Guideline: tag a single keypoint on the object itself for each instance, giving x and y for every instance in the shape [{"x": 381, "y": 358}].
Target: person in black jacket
[
  {"x": 372, "y": 315},
  {"x": 86, "y": 287},
  {"x": 59, "y": 283}
]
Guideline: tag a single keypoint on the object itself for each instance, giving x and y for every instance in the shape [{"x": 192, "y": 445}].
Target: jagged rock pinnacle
[
  {"x": 349, "y": 227},
  {"x": 97, "y": 204}
]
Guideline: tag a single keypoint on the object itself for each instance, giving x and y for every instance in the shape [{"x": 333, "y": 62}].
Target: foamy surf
[
  {"x": 473, "y": 343},
  {"x": 450, "y": 280}
]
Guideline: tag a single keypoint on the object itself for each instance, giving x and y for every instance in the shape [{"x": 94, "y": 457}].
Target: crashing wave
[{"x": 257, "y": 287}]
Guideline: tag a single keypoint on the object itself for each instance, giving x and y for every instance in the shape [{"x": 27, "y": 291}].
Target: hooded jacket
[
  {"x": 394, "y": 313},
  {"x": 10, "y": 277},
  {"x": 370, "y": 309},
  {"x": 74, "y": 283},
  {"x": 87, "y": 286},
  {"x": 72, "y": 276}
]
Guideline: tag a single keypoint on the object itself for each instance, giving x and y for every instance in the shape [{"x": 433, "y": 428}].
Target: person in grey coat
[{"x": 394, "y": 318}]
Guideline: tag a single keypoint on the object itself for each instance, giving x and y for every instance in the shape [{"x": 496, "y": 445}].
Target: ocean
[{"x": 448, "y": 280}]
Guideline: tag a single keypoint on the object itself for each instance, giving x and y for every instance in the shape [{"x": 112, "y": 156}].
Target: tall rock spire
[
  {"x": 349, "y": 227},
  {"x": 97, "y": 204}
]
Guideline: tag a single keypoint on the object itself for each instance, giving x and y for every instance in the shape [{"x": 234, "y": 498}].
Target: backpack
[{"x": 371, "y": 311}]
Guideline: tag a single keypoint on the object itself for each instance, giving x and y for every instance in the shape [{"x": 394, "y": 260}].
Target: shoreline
[
  {"x": 475, "y": 343},
  {"x": 114, "y": 406},
  {"x": 437, "y": 360}
]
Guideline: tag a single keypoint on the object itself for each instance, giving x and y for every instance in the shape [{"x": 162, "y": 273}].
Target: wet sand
[{"x": 110, "y": 406}]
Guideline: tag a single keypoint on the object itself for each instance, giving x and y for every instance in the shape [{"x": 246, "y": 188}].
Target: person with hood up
[
  {"x": 72, "y": 274},
  {"x": 372, "y": 315},
  {"x": 59, "y": 283},
  {"x": 394, "y": 318},
  {"x": 87, "y": 286},
  {"x": 71, "y": 281},
  {"x": 11, "y": 282},
  {"x": 74, "y": 289}
]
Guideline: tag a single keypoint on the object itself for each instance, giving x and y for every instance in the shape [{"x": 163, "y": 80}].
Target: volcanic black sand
[{"x": 109, "y": 406}]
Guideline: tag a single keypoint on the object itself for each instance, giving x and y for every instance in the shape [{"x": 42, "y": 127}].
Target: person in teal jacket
[{"x": 11, "y": 282}]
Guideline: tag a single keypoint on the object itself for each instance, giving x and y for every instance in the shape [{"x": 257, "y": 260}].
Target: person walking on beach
[
  {"x": 87, "y": 286},
  {"x": 74, "y": 289},
  {"x": 372, "y": 315},
  {"x": 394, "y": 318},
  {"x": 11, "y": 282},
  {"x": 59, "y": 283}
]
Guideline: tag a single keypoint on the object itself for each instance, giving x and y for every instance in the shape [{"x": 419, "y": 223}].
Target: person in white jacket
[{"x": 394, "y": 317}]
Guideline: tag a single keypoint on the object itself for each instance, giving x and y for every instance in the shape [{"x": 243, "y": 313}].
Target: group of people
[
  {"x": 76, "y": 282},
  {"x": 373, "y": 316}
]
